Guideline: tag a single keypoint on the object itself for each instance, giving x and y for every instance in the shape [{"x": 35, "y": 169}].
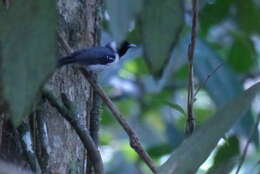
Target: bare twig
[
  {"x": 134, "y": 140},
  {"x": 191, "y": 49},
  {"x": 243, "y": 157},
  {"x": 84, "y": 135},
  {"x": 207, "y": 78}
]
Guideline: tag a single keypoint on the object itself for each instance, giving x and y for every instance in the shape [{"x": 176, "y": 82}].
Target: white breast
[{"x": 99, "y": 68}]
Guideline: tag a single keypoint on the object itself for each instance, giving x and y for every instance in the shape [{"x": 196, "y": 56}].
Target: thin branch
[
  {"x": 191, "y": 49},
  {"x": 84, "y": 135},
  {"x": 243, "y": 157},
  {"x": 134, "y": 140},
  {"x": 207, "y": 78}
]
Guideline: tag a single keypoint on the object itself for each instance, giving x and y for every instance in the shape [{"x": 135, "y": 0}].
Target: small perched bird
[{"x": 97, "y": 58}]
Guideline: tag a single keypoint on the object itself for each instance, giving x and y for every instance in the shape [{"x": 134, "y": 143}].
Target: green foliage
[
  {"x": 225, "y": 156},
  {"x": 122, "y": 13},
  {"x": 159, "y": 150},
  {"x": 176, "y": 107},
  {"x": 248, "y": 16},
  {"x": 194, "y": 150},
  {"x": 137, "y": 66},
  {"x": 214, "y": 13},
  {"x": 160, "y": 33},
  {"x": 28, "y": 50},
  {"x": 242, "y": 54},
  {"x": 223, "y": 85}
]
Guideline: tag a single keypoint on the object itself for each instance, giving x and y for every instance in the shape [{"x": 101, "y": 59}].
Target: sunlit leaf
[
  {"x": 28, "y": 50},
  {"x": 226, "y": 154},
  {"x": 195, "y": 150},
  {"x": 161, "y": 24}
]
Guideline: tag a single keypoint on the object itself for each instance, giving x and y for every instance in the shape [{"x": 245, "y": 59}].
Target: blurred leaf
[
  {"x": 248, "y": 16},
  {"x": 134, "y": 36},
  {"x": 195, "y": 150},
  {"x": 128, "y": 152},
  {"x": 242, "y": 54},
  {"x": 161, "y": 24},
  {"x": 105, "y": 138},
  {"x": 214, "y": 13},
  {"x": 176, "y": 107},
  {"x": 159, "y": 150},
  {"x": 106, "y": 118},
  {"x": 202, "y": 114},
  {"x": 223, "y": 84},
  {"x": 122, "y": 13},
  {"x": 119, "y": 165},
  {"x": 225, "y": 155},
  {"x": 28, "y": 50},
  {"x": 182, "y": 73},
  {"x": 137, "y": 66},
  {"x": 156, "y": 100}
]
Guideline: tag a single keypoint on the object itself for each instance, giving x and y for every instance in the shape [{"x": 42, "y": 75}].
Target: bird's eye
[{"x": 109, "y": 58}]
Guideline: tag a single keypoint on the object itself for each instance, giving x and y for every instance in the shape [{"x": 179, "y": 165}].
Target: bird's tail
[{"x": 65, "y": 60}]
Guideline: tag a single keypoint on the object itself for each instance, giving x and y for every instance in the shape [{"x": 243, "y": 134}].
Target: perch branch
[
  {"x": 134, "y": 140},
  {"x": 84, "y": 135}
]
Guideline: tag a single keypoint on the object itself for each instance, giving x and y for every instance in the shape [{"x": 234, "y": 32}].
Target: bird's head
[{"x": 124, "y": 47}]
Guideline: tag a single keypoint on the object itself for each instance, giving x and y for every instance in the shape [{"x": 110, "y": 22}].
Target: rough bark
[
  {"x": 78, "y": 22},
  {"x": 58, "y": 147}
]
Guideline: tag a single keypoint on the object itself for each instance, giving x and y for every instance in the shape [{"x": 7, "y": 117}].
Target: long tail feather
[{"x": 65, "y": 61}]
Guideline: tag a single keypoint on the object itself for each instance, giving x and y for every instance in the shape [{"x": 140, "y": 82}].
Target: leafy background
[{"x": 149, "y": 85}]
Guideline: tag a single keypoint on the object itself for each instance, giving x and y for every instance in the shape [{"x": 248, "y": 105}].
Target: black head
[{"x": 124, "y": 47}]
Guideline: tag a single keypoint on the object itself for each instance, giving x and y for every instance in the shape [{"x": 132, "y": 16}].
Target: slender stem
[
  {"x": 191, "y": 49},
  {"x": 134, "y": 140}
]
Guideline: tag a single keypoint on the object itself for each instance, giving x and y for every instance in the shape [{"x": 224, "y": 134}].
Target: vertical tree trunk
[
  {"x": 78, "y": 22},
  {"x": 59, "y": 149}
]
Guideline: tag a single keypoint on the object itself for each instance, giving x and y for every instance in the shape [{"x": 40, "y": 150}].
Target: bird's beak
[{"x": 132, "y": 46}]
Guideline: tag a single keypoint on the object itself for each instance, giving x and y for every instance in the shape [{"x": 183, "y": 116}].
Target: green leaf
[
  {"x": 248, "y": 16},
  {"x": 242, "y": 54},
  {"x": 28, "y": 49},
  {"x": 176, "y": 107},
  {"x": 223, "y": 84},
  {"x": 225, "y": 155},
  {"x": 161, "y": 24},
  {"x": 210, "y": 15},
  {"x": 122, "y": 13},
  {"x": 159, "y": 150},
  {"x": 195, "y": 149}
]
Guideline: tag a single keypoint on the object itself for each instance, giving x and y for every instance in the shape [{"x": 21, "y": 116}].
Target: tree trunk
[{"x": 58, "y": 147}]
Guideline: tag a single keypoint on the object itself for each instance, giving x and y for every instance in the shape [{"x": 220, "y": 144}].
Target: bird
[{"x": 97, "y": 58}]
